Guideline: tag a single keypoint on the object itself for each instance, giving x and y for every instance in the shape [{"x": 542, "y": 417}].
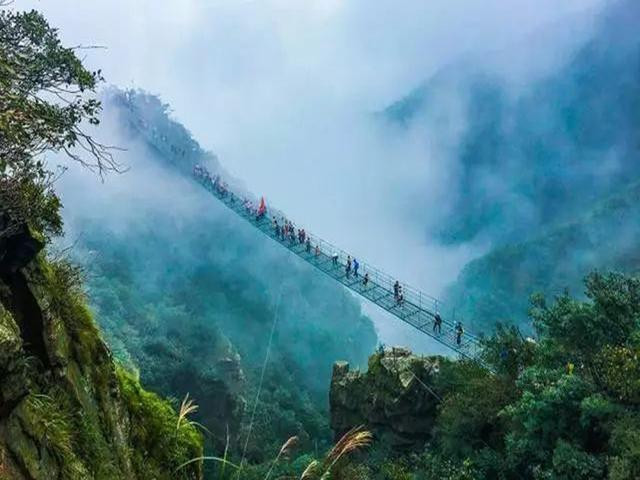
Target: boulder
[{"x": 393, "y": 398}]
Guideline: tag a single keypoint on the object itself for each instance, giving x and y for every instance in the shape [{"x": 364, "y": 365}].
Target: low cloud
[{"x": 285, "y": 93}]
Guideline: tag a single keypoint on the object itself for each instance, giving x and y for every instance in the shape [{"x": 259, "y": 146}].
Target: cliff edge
[
  {"x": 67, "y": 411},
  {"x": 392, "y": 398}
]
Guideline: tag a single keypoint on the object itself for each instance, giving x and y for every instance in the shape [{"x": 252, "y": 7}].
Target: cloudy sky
[
  {"x": 225, "y": 65},
  {"x": 284, "y": 90}
]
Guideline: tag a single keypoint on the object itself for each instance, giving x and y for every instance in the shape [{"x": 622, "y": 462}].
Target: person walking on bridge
[
  {"x": 396, "y": 290},
  {"x": 308, "y": 245},
  {"x": 365, "y": 281},
  {"x": 356, "y": 265},
  {"x": 348, "y": 265},
  {"x": 459, "y": 333},
  {"x": 291, "y": 233},
  {"x": 262, "y": 210},
  {"x": 437, "y": 323}
]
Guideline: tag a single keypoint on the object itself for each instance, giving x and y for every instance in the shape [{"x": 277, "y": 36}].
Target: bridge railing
[
  {"x": 413, "y": 299},
  {"x": 412, "y": 296}
]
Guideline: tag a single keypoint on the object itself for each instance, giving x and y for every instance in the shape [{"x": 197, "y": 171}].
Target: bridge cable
[{"x": 262, "y": 373}]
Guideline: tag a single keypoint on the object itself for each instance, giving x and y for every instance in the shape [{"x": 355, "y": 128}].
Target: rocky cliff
[
  {"x": 393, "y": 398},
  {"x": 66, "y": 410}
]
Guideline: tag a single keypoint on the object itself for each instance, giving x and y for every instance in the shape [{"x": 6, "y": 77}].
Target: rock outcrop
[
  {"x": 393, "y": 398},
  {"x": 217, "y": 380},
  {"x": 66, "y": 410}
]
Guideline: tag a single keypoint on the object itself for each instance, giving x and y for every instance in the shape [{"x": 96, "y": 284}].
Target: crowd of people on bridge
[
  {"x": 213, "y": 182},
  {"x": 221, "y": 188},
  {"x": 285, "y": 231}
]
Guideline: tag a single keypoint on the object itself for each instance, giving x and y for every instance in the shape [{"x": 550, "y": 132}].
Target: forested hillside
[
  {"x": 146, "y": 332},
  {"x": 548, "y": 177},
  {"x": 188, "y": 293},
  {"x": 496, "y": 287}
]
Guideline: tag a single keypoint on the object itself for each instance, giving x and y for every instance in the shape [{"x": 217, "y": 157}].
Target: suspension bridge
[{"x": 415, "y": 308}]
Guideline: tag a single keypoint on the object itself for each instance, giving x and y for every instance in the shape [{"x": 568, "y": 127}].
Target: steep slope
[
  {"x": 66, "y": 410},
  {"x": 179, "y": 282}
]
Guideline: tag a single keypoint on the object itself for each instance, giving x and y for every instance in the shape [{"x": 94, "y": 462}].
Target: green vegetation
[
  {"x": 495, "y": 287},
  {"x": 158, "y": 440},
  {"x": 190, "y": 302},
  {"x": 165, "y": 322},
  {"x": 564, "y": 407},
  {"x": 155, "y": 431},
  {"x": 187, "y": 294},
  {"x": 206, "y": 319},
  {"x": 334, "y": 464},
  {"x": 85, "y": 418},
  {"x": 64, "y": 412},
  {"x": 45, "y": 97},
  {"x": 548, "y": 177},
  {"x": 45, "y": 418}
]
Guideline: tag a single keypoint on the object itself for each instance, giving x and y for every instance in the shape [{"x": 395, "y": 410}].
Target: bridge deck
[{"x": 417, "y": 309}]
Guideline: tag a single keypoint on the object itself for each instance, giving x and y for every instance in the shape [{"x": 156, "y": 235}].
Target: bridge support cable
[{"x": 416, "y": 308}]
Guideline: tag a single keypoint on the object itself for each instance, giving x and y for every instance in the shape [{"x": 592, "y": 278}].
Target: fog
[
  {"x": 285, "y": 93},
  {"x": 193, "y": 269}
]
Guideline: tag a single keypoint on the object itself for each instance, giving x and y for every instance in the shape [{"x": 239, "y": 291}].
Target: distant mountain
[
  {"x": 497, "y": 286},
  {"x": 538, "y": 159}
]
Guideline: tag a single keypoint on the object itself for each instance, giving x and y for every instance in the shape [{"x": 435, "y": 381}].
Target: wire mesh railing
[{"x": 420, "y": 310}]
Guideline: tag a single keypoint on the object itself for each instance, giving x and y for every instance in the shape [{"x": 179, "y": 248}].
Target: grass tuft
[
  {"x": 187, "y": 407},
  {"x": 355, "y": 439}
]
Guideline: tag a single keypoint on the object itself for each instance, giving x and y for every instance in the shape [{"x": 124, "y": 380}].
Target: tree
[
  {"x": 620, "y": 371},
  {"x": 610, "y": 317},
  {"x": 46, "y": 96},
  {"x": 508, "y": 351},
  {"x": 548, "y": 410}
]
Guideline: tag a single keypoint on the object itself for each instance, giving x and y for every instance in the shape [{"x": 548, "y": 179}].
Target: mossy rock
[
  {"x": 77, "y": 416},
  {"x": 163, "y": 443},
  {"x": 40, "y": 434},
  {"x": 10, "y": 340},
  {"x": 390, "y": 398}
]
